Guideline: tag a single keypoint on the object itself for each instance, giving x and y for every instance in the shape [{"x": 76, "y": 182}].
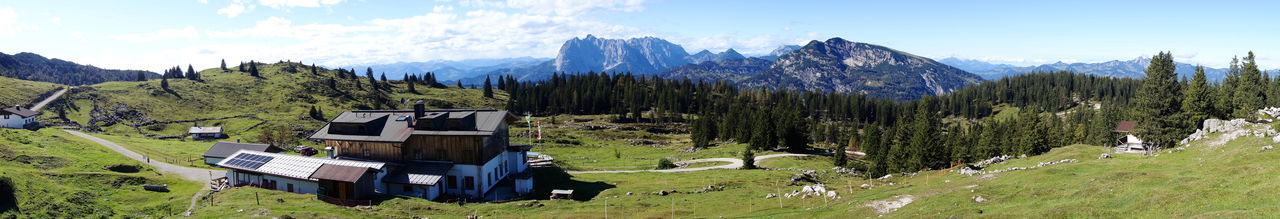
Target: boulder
[
  {"x": 1267, "y": 148},
  {"x": 979, "y": 199},
  {"x": 1104, "y": 156},
  {"x": 770, "y": 195},
  {"x": 831, "y": 194},
  {"x": 866, "y": 186}
]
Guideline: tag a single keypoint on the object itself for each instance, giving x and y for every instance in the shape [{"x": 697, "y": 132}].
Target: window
[
  {"x": 346, "y": 151},
  {"x": 366, "y": 153},
  {"x": 290, "y": 185},
  {"x": 417, "y": 154},
  {"x": 408, "y": 188},
  {"x": 453, "y": 182},
  {"x": 469, "y": 183}
]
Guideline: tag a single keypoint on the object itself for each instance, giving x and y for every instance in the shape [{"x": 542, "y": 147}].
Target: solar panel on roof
[{"x": 250, "y": 161}]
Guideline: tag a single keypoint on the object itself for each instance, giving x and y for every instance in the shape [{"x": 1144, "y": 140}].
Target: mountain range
[
  {"x": 1132, "y": 68},
  {"x": 837, "y": 65},
  {"x": 33, "y": 67},
  {"x": 449, "y": 70}
]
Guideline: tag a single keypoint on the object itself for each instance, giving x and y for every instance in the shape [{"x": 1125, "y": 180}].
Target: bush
[{"x": 664, "y": 163}]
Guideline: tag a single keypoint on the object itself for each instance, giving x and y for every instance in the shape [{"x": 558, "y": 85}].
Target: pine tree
[
  {"x": 875, "y": 149},
  {"x": 460, "y": 85},
  {"x": 1195, "y": 101},
  {"x": 502, "y": 83},
  {"x": 1159, "y": 108},
  {"x": 141, "y": 76},
  {"x": 748, "y": 159},
  {"x": 164, "y": 83},
  {"x": 192, "y": 74},
  {"x": 411, "y": 88},
  {"x": 839, "y": 158},
  {"x": 1249, "y": 95},
  {"x": 373, "y": 82},
  {"x": 253, "y": 69},
  {"x": 224, "y": 65},
  {"x": 488, "y": 88}
]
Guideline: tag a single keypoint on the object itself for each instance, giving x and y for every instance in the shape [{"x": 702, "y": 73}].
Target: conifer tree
[
  {"x": 253, "y": 69},
  {"x": 1158, "y": 106},
  {"x": 875, "y": 149},
  {"x": 1195, "y": 101},
  {"x": 192, "y": 74},
  {"x": 373, "y": 82},
  {"x": 141, "y": 76},
  {"x": 164, "y": 83},
  {"x": 488, "y": 88},
  {"x": 460, "y": 85},
  {"x": 224, "y": 65},
  {"x": 748, "y": 159},
  {"x": 1249, "y": 95}
]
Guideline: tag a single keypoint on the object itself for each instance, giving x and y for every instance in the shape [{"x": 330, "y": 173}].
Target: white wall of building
[
  {"x": 282, "y": 183},
  {"x": 15, "y": 121}
]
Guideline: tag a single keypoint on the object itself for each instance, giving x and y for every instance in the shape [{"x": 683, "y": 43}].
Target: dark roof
[
  {"x": 225, "y": 149},
  {"x": 487, "y": 121},
  {"x": 358, "y": 117},
  {"x": 18, "y": 110},
  {"x": 1125, "y": 126},
  {"x": 340, "y": 173},
  {"x": 420, "y": 173}
]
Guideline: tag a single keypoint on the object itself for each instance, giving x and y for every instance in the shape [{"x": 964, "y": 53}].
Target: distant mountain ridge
[
  {"x": 838, "y": 65},
  {"x": 33, "y": 67},
  {"x": 707, "y": 56},
  {"x": 1132, "y": 68},
  {"x": 451, "y": 70}
]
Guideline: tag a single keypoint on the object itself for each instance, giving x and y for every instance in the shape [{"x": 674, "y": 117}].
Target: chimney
[{"x": 419, "y": 110}]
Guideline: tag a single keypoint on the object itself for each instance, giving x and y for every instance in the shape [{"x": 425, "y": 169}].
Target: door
[{"x": 342, "y": 190}]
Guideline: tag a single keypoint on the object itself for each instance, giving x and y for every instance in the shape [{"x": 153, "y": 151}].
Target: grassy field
[
  {"x": 51, "y": 174},
  {"x": 1235, "y": 179},
  {"x": 279, "y": 97},
  {"x": 183, "y": 153},
  {"x": 595, "y": 143},
  {"x": 20, "y": 92}
]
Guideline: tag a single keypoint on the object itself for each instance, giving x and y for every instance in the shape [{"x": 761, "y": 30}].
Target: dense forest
[
  {"x": 32, "y": 67},
  {"x": 1025, "y": 114}
]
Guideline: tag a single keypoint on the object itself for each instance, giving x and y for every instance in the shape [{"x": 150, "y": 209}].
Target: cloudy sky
[{"x": 153, "y": 34}]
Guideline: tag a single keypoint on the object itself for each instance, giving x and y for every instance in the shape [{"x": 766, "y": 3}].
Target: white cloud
[
  {"x": 440, "y": 34},
  {"x": 298, "y": 3},
  {"x": 56, "y": 20},
  {"x": 9, "y": 22},
  {"x": 575, "y": 7},
  {"x": 185, "y": 33},
  {"x": 234, "y": 9}
]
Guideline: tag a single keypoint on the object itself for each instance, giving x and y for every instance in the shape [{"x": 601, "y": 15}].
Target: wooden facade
[
  {"x": 473, "y": 150},
  {"x": 366, "y": 150}
]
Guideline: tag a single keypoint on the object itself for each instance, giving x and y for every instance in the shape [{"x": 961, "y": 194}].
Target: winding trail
[
  {"x": 188, "y": 173},
  {"x": 734, "y": 163},
  {"x": 46, "y": 101}
]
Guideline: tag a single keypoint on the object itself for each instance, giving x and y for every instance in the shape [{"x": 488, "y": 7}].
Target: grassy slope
[
  {"x": 577, "y": 148},
  {"x": 1233, "y": 180},
  {"x": 20, "y": 92},
  {"x": 183, "y": 153},
  {"x": 279, "y": 97},
  {"x": 57, "y": 175}
]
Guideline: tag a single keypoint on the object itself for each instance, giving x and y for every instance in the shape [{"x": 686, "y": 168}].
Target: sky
[{"x": 156, "y": 34}]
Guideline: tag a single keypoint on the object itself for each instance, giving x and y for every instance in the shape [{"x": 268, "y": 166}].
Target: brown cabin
[{"x": 460, "y": 136}]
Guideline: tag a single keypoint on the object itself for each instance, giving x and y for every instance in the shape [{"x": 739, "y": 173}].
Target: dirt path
[
  {"x": 194, "y": 174},
  {"x": 734, "y": 163},
  {"x": 46, "y": 101}
]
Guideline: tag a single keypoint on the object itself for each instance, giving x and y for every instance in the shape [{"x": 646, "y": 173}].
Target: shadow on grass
[
  {"x": 8, "y": 201},
  {"x": 551, "y": 178}
]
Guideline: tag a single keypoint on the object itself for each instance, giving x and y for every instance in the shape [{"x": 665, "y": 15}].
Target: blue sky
[{"x": 154, "y": 34}]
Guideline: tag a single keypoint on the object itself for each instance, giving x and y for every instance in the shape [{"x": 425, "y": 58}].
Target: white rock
[
  {"x": 866, "y": 186},
  {"x": 979, "y": 199}
]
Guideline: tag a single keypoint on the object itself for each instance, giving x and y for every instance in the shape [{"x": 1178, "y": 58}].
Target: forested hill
[{"x": 33, "y": 67}]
